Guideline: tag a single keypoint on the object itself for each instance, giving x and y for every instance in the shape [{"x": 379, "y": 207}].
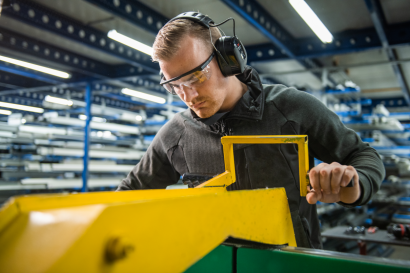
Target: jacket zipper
[{"x": 225, "y": 129}]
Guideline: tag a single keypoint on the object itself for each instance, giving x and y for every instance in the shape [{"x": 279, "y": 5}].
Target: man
[{"x": 241, "y": 105}]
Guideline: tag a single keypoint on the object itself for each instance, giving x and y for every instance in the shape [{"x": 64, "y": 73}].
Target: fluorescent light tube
[
  {"x": 58, "y": 100},
  {"x": 309, "y": 16},
  {"x": 96, "y": 119},
  {"x": 143, "y": 96},
  {"x": 113, "y": 34},
  {"x": 5, "y": 112},
  {"x": 21, "y": 107},
  {"x": 43, "y": 69}
]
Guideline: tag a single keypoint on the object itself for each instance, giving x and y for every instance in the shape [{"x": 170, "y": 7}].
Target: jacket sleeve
[
  {"x": 154, "y": 171},
  {"x": 330, "y": 141}
]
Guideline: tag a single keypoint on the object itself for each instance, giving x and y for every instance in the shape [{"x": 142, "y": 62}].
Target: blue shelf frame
[{"x": 87, "y": 132}]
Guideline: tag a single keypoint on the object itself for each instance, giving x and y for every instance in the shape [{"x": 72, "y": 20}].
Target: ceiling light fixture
[
  {"x": 58, "y": 100},
  {"x": 43, "y": 69},
  {"x": 5, "y": 112},
  {"x": 21, "y": 107},
  {"x": 309, "y": 16},
  {"x": 4, "y": 4},
  {"x": 113, "y": 34},
  {"x": 143, "y": 96}
]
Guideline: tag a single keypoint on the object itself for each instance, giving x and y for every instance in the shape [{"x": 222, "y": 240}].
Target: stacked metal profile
[{"x": 44, "y": 152}]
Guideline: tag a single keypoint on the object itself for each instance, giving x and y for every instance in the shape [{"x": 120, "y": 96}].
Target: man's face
[{"x": 204, "y": 99}]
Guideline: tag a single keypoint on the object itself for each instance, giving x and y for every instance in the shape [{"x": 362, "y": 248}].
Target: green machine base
[{"x": 293, "y": 259}]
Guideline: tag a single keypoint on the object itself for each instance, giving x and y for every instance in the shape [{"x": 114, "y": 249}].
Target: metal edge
[{"x": 344, "y": 256}]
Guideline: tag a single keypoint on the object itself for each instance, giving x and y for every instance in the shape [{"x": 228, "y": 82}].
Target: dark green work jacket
[{"x": 187, "y": 145}]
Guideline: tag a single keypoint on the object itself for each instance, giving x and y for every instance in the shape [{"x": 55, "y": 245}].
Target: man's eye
[{"x": 194, "y": 81}]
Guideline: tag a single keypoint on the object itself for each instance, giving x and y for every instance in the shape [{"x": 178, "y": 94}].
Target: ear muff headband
[
  {"x": 195, "y": 17},
  {"x": 230, "y": 52}
]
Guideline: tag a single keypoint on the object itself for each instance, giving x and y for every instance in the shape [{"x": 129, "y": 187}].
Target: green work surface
[
  {"x": 254, "y": 260},
  {"x": 218, "y": 260}
]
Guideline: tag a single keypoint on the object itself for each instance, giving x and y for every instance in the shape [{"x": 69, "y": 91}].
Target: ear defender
[
  {"x": 230, "y": 52},
  {"x": 233, "y": 57}
]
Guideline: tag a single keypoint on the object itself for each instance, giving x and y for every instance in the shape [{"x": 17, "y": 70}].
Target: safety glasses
[{"x": 190, "y": 79}]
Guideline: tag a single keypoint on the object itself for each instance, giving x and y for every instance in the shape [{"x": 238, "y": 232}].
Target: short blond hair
[{"x": 168, "y": 38}]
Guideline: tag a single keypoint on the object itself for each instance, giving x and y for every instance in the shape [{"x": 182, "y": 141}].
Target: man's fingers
[
  {"x": 312, "y": 198},
  {"x": 314, "y": 177},
  {"x": 348, "y": 175},
  {"x": 311, "y": 194},
  {"x": 325, "y": 177},
  {"x": 326, "y": 181},
  {"x": 335, "y": 181}
]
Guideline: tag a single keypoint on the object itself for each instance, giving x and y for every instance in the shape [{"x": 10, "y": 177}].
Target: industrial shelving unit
[
  {"x": 44, "y": 152},
  {"x": 387, "y": 132}
]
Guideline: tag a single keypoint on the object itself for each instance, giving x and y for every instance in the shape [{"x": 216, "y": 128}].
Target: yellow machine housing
[{"x": 145, "y": 230}]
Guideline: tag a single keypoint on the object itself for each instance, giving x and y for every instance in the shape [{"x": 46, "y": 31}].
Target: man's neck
[{"x": 237, "y": 90}]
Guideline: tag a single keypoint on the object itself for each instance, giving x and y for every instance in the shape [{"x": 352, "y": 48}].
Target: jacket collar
[{"x": 249, "y": 107}]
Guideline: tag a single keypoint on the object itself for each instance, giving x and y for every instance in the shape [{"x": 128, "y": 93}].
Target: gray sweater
[{"x": 187, "y": 145}]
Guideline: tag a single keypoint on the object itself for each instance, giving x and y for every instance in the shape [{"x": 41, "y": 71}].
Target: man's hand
[{"x": 329, "y": 182}]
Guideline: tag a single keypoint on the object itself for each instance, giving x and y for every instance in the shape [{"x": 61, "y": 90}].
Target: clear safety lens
[{"x": 192, "y": 80}]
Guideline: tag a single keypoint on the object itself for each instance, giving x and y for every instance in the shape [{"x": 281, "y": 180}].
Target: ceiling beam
[
  {"x": 135, "y": 12},
  {"x": 18, "y": 70},
  {"x": 144, "y": 85},
  {"x": 21, "y": 96},
  {"x": 350, "y": 41},
  {"x": 380, "y": 24},
  {"x": 258, "y": 17},
  {"x": 15, "y": 84},
  {"x": 95, "y": 70},
  {"x": 80, "y": 64},
  {"x": 16, "y": 80},
  {"x": 57, "y": 23}
]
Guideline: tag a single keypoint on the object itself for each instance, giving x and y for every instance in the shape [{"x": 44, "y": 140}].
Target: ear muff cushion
[{"x": 223, "y": 62}]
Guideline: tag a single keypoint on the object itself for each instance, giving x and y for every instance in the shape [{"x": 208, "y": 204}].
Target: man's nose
[{"x": 188, "y": 93}]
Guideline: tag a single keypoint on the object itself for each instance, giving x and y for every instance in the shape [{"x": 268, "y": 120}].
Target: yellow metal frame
[
  {"x": 144, "y": 230},
  {"x": 228, "y": 177}
]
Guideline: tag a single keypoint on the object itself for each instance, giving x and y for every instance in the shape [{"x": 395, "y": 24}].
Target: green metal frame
[{"x": 289, "y": 259}]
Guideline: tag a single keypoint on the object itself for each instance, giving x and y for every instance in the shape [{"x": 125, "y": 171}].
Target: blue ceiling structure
[
  {"x": 137, "y": 68},
  {"x": 381, "y": 27},
  {"x": 257, "y": 16},
  {"x": 69, "y": 28}
]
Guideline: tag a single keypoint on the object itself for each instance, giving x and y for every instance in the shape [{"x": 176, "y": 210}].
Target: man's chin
[{"x": 203, "y": 114}]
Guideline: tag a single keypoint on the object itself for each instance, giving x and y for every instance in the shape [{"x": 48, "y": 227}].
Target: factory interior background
[{"x": 84, "y": 124}]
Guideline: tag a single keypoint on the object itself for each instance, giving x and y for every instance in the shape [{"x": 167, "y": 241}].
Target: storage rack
[
  {"x": 388, "y": 133},
  {"x": 44, "y": 152}
]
